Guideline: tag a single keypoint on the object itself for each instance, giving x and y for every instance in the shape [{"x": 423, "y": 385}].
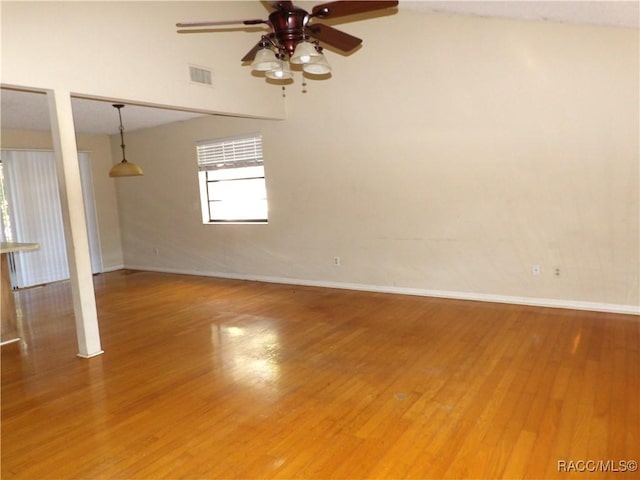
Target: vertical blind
[
  {"x": 35, "y": 216},
  {"x": 90, "y": 212}
]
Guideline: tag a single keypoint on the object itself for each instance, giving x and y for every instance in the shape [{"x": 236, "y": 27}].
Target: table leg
[{"x": 9, "y": 330}]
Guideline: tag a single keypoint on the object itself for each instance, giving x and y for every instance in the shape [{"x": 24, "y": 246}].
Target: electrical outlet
[
  {"x": 336, "y": 261},
  {"x": 535, "y": 270},
  {"x": 556, "y": 271}
]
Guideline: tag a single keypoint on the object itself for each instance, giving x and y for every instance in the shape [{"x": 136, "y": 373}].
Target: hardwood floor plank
[
  {"x": 213, "y": 378},
  {"x": 517, "y": 464}
]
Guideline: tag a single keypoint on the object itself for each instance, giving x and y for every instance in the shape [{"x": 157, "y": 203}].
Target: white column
[{"x": 70, "y": 184}]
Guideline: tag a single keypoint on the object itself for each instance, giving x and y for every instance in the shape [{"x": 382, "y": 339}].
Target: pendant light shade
[
  {"x": 124, "y": 168},
  {"x": 281, "y": 72},
  {"x": 317, "y": 66},
  {"x": 265, "y": 60},
  {"x": 305, "y": 52}
]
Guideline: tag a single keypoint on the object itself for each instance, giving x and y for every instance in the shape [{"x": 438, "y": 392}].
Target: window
[{"x": 231, "y": 175}]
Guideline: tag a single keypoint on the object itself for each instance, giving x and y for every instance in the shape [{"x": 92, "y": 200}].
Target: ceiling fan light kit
[
  {"x": 291, "y": 28},
  {"x": 275, "y": 66}
]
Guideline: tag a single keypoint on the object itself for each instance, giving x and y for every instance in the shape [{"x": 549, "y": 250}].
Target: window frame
[{"x": 212, "y": 160}]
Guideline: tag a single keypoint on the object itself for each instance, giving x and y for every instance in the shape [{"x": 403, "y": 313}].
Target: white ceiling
[
  {"x": 595, "y": 12},
  {"x": 29, "y": 111}
]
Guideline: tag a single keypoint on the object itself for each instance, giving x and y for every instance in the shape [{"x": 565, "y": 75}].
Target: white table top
[{"x": 7, "y": 247}]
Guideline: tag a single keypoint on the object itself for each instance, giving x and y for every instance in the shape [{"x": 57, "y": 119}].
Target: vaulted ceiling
[{"x": 29, "y": 111}]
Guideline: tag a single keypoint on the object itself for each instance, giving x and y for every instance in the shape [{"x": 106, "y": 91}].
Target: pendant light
[{"x": 124, "y": 168}]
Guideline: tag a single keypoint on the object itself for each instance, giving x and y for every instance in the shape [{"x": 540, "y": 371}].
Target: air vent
[{"x": 199, "y": 75}]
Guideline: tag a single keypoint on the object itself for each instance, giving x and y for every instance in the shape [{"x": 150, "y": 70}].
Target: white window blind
[{"x": 232, "y": 152}]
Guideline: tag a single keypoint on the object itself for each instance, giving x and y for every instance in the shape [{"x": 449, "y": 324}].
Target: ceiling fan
[{"x": 296, "y": 35}]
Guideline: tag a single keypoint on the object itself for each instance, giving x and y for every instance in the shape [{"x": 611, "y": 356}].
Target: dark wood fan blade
[
  {"x": 251, "y": 54},
  {"x": 342, "y": 8},
  {"x": 334, "y": 37},
  {"x": 220, "y": 23}
]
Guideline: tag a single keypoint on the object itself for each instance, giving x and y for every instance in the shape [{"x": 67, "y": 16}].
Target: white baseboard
[
  {"x": 479, "y": 297},
  {"x": 90, "y": 355},
  {"x": 113, "y": 268}
]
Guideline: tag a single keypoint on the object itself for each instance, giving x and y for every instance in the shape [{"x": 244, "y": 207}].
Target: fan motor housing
[{"x": 288, "y": 26}]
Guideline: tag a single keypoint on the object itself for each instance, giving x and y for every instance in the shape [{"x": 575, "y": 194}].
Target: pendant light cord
[{"x": 119, "y": 107}]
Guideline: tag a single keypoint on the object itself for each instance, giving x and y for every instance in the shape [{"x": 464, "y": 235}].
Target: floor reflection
[{"x": 248, "y": 353}]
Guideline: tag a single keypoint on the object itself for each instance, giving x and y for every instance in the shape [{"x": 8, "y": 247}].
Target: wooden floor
[{"x": 204, "y": 378}]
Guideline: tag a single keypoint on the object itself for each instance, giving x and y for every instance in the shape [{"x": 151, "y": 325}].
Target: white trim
[
  {"x": 90, "y": 355},
  {"x": 37, "y": 149},
  {"x": 7, "y": 342},
  {"x": 112, "y": 268},
  {"x": 479, "y": 297}
]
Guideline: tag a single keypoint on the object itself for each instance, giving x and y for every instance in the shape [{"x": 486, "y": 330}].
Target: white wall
[
  {"x": 99, "y": 150},
  {"x": 131, "y": 52},
  {"x": 447, "y": 156}
]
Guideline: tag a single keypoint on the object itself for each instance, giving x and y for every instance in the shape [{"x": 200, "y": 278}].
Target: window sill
[{"x": 233, "y": 222}]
